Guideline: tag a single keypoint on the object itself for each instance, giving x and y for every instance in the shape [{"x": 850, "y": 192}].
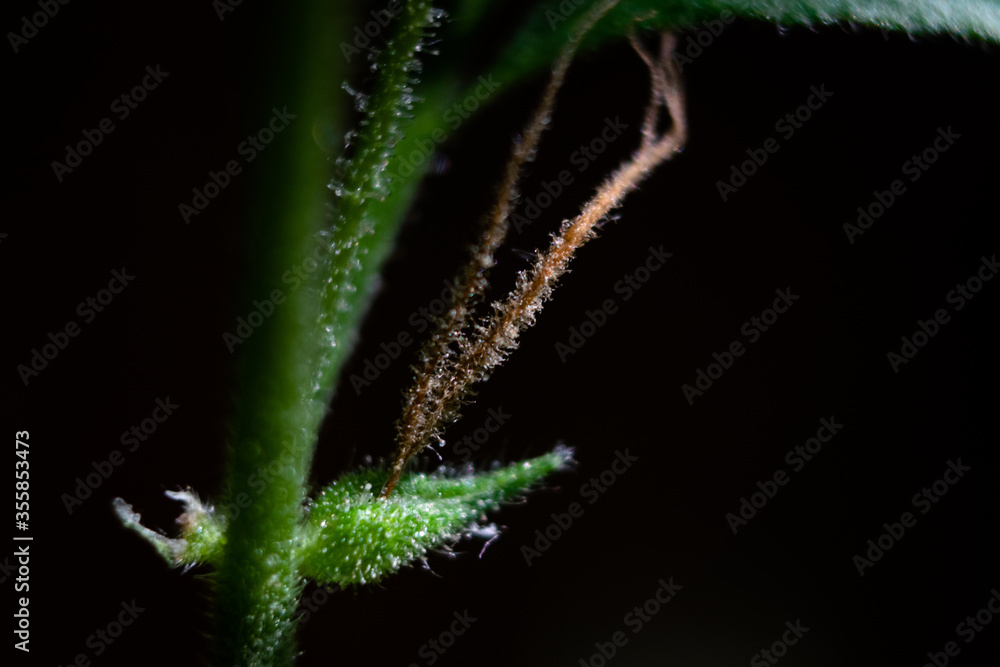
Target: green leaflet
[
  {"x": 355, "y": 538},
  {"x": 202, "y": 531},
  {"x": 351, "y": 537}
]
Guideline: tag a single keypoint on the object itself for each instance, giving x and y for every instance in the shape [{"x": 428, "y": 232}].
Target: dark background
[{"x": 663, "y": 518}]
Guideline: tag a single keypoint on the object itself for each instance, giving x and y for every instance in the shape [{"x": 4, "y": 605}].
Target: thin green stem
[{"x": 356, "y": 245}]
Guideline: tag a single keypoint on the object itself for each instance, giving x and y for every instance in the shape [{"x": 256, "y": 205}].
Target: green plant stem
[
  {"x": 288, "y": 367},
  {"x": 357, "y": 246},
  {"x": 277, "y": 413}
]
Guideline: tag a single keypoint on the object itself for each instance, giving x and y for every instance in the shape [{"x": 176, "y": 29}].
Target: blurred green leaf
[{"x": 546, "y": 28}]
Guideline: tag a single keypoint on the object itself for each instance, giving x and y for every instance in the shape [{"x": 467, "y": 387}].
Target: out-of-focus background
[{"x": 882, "y": 542}]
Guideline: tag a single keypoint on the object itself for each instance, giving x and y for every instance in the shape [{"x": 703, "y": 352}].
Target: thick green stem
[
  {"x": 289, "y": 365},
  {"x": 277, "y": 412}
]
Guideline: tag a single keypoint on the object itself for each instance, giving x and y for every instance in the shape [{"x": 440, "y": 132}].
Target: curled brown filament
[{"x": 462, "y": 352}]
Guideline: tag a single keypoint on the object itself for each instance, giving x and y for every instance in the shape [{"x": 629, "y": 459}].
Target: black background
[{"x": 663, "y": 518}]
